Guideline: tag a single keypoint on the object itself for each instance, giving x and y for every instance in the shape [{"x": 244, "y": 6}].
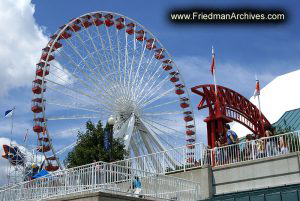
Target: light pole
[{"x": 111, "y": 122}]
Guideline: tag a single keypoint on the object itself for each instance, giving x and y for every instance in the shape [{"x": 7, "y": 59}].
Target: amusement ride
[{"x": 104, "y": 64}]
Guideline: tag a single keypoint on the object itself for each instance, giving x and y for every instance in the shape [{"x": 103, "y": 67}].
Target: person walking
[{"x": 136, "y": 186}]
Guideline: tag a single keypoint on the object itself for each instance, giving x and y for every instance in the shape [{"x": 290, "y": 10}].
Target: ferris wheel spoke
[
  {"x": 157, "y": 97},
  {"x": 126, "y": 55},
  {"x": 155, "y": 139},
  {"x": 96, "y": 52},
  {"x": 76, "y": 78},
  {"x": 162, "y": 113},
  {"x": 146, "y": 71},
  {"x": 132, "y": 60},
  {"x": 104, "y": 50},
  {"x": 73, "y": 107},
  {"x": 109, "y": 95},
  {"x": 151, "y": 91},
  {"x": 160, "y": 124},
  {"x": 75, "y": 67},
  {"x": 96, "y": 82},
  {"x": 143, "y": 47},
  {"x": 111, "y": 49},
  {"x": 159, "y": 105},
  {"x": 99, "y": 73},
  {"x": 78, "y": 92},
  {"x": 86, "y": 116},
  {"x": 151, "y": 80}
]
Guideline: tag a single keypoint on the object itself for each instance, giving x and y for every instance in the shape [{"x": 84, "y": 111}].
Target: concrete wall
[
  {"x": 100, "y": 196},
  {"x": 262, "y": 173}
]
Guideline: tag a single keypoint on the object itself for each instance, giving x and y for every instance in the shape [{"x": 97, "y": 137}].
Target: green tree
[{"x": 90, "y": 147}]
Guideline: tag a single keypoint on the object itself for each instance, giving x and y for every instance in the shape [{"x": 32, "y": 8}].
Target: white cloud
[
  {"x": 21, "y": 41},
  {"x": 277, "y": 97}
]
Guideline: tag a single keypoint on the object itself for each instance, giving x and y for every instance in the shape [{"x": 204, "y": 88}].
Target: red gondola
[
  {"x": 44, "y": 148},
  {"x": 65, "y": 35},
  {"x": 98, "y": 22},
  {"x": 190, "y": 132},
  {"x": 168, "y": 61},
  {"x": 179, "y": 91},
  {"x": 38, "y": 129},
  {"x": 130, "y": 31},
  {"x": 39, "y": 72},
  {"x": 86, "y": 24},
  {"x": 75, "y": 27},
  {"x": 51, "y": 168},
  {"x": 109, "y": 22},
  {"x": 188, "y": 118},
  {"x": 36, "y": 109},
  {"x": 44, "y": 57},
  {"x": 167, "y": 67},
  {"x": 119, "y": 25},
  {"x": 140, "y": 37},
  {"x": 159, "y": 56},
  {"x": 174, "y": 77},
  {"x": 184, "y": 105},
  {"x": 36, "y": 105},
  {"x": 150, "y": 46}
]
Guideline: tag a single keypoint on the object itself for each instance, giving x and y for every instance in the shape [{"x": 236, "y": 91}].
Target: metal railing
[
  {"x": 180, "y": 158},
  {"x": 183, "y": 158},
  {"x": 102, "y": 177},
  {"x": 256, "y": 149}
]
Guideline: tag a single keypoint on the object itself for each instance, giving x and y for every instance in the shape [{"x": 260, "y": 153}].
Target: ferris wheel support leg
[{"x": 156, "y": 140}]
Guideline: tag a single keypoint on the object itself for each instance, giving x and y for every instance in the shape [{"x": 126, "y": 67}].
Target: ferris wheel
[{"x": 104, "y": 64}]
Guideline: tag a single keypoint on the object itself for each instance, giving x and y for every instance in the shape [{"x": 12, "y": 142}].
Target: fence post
[
  {"x": 253, "y": 153},
  {"x": 156, "y": 184},
  {"x": 164, "y": 168},
  {"x": 184, "y": 158}
]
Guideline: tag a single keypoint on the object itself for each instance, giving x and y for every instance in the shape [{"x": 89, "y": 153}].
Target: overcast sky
[{"x": 241, "y": 50}]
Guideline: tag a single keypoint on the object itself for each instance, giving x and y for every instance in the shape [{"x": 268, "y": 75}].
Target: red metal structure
[{"x": 227, "y": 106}]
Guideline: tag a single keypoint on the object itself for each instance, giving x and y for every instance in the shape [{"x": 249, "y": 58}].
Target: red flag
[
  {"x": 257, "y": 89},
  {"x": 212, "y": 66}
]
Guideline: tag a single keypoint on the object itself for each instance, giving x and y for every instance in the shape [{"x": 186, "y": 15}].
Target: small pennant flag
[
  {"x": 9, "y": 113},
  {"x": 212, "y": 66},
  {"x": 257, "y": 89}
]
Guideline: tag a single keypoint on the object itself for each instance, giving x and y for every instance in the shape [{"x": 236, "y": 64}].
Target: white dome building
[{"x": 280, "y": 95}]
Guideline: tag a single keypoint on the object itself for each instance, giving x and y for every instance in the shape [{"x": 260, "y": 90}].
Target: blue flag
[
  {"x": 106, "y": 139},
  {"x": 9, "y": 113}
]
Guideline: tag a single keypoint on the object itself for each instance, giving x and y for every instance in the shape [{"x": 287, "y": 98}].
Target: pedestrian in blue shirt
[{"x": 233, "y": 150}]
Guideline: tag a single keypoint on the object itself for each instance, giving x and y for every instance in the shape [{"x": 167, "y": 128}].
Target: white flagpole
[
  {"x": 259, "y": 105},
  {"x": 258, "y": 94},
  {"x": 214, "y": 70},
  {"x": 12, "y": 124}
]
